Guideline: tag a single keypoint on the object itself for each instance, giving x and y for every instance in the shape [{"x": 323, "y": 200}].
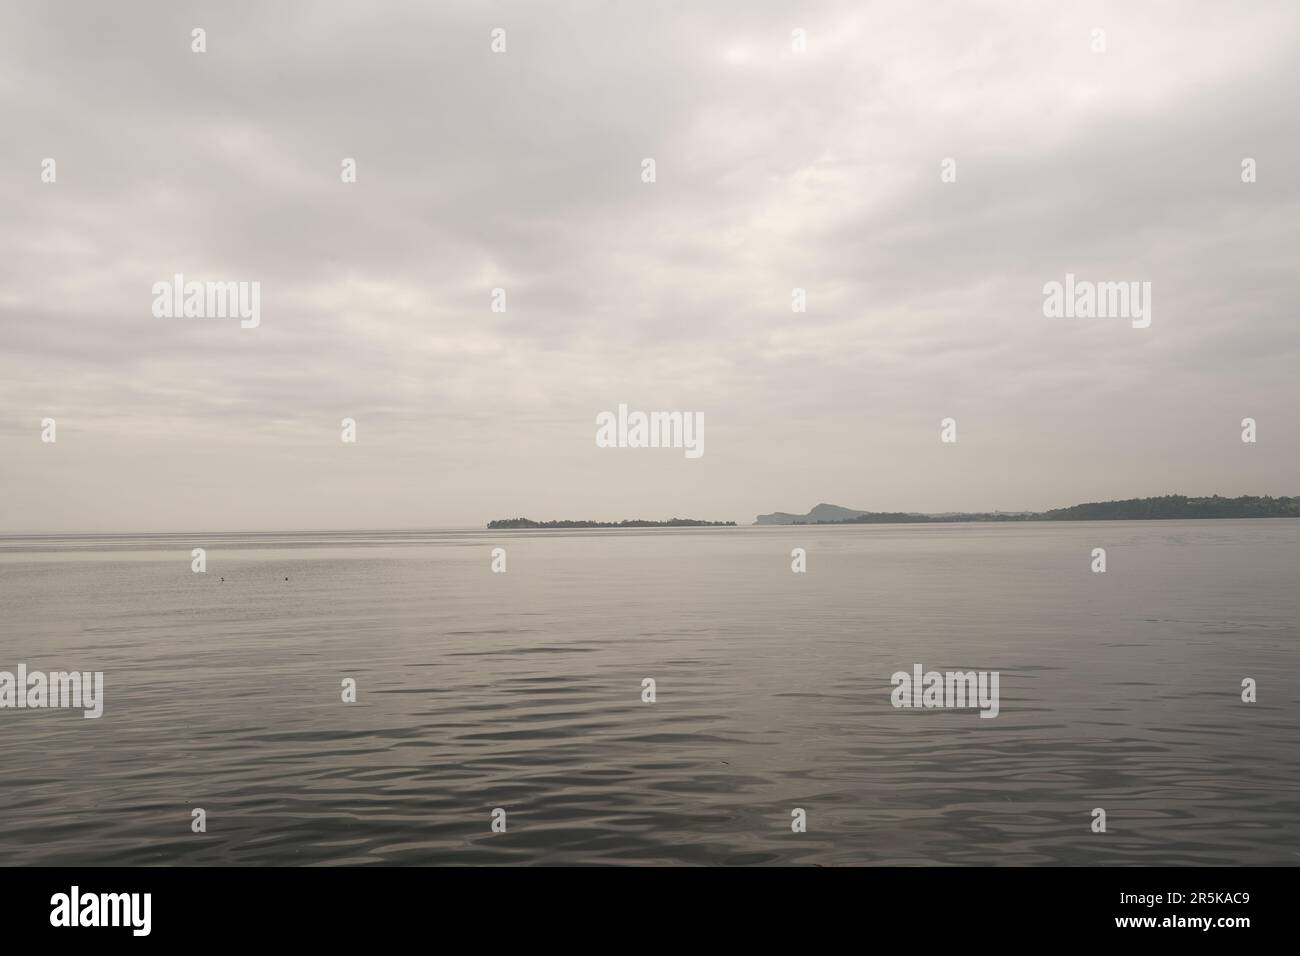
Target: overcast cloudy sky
[{"x": 522, "y": 170}]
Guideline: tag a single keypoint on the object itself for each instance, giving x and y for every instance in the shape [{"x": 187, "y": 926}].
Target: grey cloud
[{"x": 521, "y": 171}]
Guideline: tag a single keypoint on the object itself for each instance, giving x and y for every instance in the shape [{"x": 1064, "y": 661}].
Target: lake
[{"x": 523, "y": 691}]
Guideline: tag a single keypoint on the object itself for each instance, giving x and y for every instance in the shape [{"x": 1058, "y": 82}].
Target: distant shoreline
[{"x": 1165, "y": 508}]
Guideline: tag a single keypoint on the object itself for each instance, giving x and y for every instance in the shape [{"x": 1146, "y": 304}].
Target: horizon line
[{"x": 739, "y": 524}]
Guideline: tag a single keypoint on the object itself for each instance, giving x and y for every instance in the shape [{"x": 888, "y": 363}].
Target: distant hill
[
  {"x": 1130, "y": 509},
  {"x": 1178, "y": 506},
  {"x": 823, "y": 513}
]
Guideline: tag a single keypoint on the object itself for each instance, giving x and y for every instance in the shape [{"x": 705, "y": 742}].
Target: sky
[{"x": 776, "y": 168}]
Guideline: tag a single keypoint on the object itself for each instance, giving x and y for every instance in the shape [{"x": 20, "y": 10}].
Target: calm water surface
[{"x": 523, "y": 691}]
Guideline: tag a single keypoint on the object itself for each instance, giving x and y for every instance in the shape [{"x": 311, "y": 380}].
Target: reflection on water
[{"x": 523, "y": 691}]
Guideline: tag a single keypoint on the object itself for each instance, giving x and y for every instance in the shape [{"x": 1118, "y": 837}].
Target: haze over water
[{"x": 523, "y": 691}]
